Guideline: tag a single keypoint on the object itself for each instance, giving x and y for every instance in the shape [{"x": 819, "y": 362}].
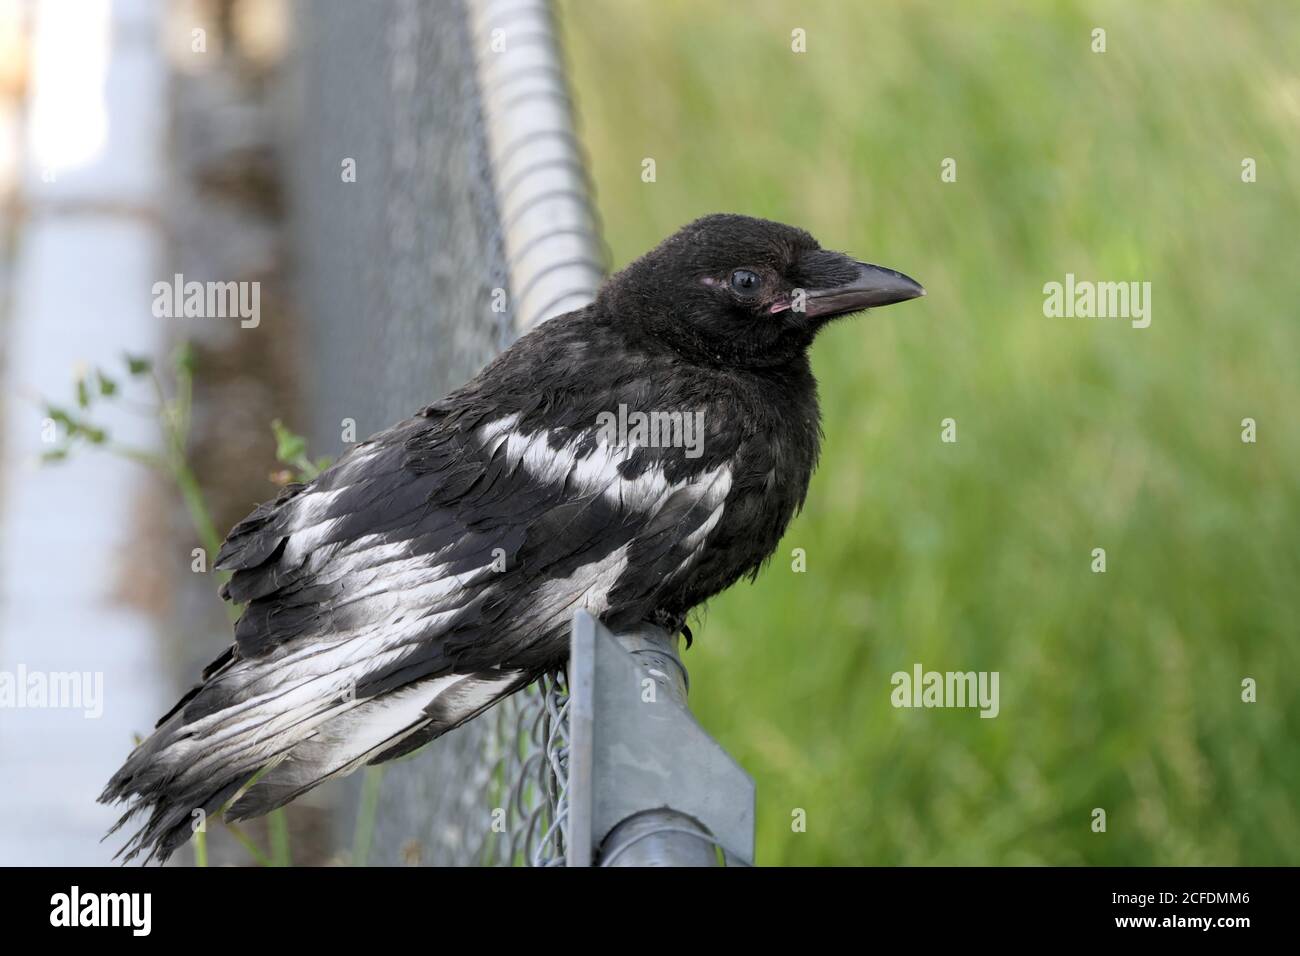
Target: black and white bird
[{"x": 435, "y": 569}]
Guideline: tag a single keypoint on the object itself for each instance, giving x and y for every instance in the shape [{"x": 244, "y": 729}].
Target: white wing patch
[
  {"x": 340, "y": 740},
  {"x": 598, "y": 471},
  {"x": 587, "y": 587}
]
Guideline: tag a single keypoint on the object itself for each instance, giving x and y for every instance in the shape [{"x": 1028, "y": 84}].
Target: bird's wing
[{"x": 429, "y": 573}]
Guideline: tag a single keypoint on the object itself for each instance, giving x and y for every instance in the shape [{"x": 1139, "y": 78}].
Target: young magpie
[{"x": 434, "y": 570}]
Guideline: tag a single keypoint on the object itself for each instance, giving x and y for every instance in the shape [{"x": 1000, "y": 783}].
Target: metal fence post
[{"x": 647, "y": 785}]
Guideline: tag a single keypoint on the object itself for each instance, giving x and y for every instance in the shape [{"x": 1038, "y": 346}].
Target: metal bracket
[{"x": 636, "y": 751}]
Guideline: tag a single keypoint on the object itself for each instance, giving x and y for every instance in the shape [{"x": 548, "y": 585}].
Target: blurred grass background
[{"x": 1118, "y": 690}]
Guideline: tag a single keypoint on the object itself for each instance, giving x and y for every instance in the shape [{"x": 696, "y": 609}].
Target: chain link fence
[
  {"x": 528, "y": 755},
  {"x": 396, "y": 276}
]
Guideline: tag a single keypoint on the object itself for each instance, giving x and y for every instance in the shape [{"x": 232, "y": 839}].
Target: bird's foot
[{"x": 673, "y": 624}]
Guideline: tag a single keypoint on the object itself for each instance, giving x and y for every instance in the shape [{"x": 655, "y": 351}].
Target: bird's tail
[{"x": 232, "y": 745}]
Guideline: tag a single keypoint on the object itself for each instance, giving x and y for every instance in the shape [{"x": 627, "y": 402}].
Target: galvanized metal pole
[
  {"x": 551, "y": 233},
  {"x": 647, "y": 785},
  {"x": 663, "y": 836}
]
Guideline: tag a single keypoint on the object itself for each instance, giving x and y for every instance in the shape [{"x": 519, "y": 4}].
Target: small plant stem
[
  {"x": 253, "y": 849},
  {"x": 278, "y": 825},
  {"x": 365, "y": 829}
]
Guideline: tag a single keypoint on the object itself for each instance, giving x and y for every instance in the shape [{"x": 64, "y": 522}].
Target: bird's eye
[{"x": 745, "y": 282}]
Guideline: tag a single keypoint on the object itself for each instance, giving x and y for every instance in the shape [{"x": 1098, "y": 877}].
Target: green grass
[{"x": 1118, "y": 690}]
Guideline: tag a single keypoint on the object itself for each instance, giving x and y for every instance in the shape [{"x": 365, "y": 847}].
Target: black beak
[{"x": 873, "y": 286}]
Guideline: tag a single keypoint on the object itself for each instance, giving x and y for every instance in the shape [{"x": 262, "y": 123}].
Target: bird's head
[{"x": 741, "y": 291}]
